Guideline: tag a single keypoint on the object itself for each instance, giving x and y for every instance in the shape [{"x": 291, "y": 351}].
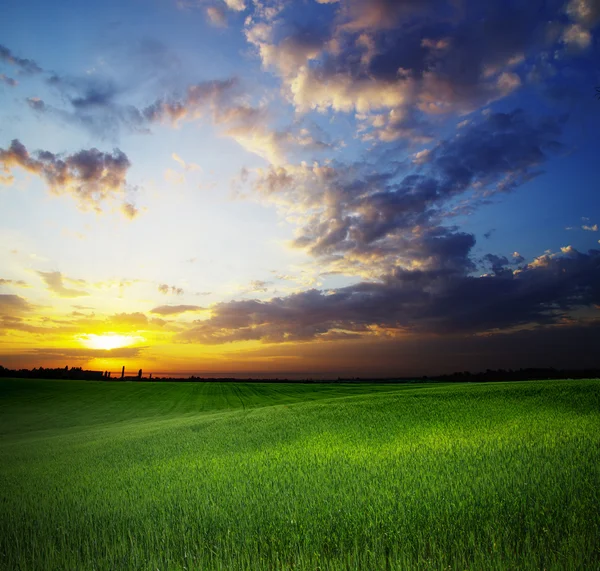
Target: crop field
[{"x": 295, "y": 476}]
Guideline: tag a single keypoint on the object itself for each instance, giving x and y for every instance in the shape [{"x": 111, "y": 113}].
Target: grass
[{"x": 292, "y": 476}]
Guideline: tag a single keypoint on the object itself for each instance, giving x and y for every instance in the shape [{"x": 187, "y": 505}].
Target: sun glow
[{"x": 107, "y": 341}]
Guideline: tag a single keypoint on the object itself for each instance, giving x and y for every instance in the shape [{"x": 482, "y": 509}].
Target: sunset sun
[{"x": 107, "y": 341}]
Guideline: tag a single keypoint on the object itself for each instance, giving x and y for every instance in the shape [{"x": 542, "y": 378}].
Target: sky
[{"x": 316, "y": 188}]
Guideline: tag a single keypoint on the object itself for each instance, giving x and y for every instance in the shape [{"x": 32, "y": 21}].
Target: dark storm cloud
[
  {"x": 90, "y": 176},
  {"x": 24, "y": 65},
  {"x": 434, "y": 301}
]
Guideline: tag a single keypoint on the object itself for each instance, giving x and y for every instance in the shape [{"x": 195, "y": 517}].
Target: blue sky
[{"x": 265, "y": 186}]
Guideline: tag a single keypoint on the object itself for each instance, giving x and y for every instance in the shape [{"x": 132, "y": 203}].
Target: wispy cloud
[
  {"x": 24, "y": 65},
  {"x": 17, "y": 283},
  {"x": 55, "y": 283},
  {"x": 175, "y": 309},
  {"x": 8, "y": 80}
]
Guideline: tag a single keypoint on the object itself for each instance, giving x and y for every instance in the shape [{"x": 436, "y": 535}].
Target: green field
[{"x": 294, "y": 476}]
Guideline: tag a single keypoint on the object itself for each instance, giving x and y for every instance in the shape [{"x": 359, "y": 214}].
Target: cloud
[
  {"x": 590, "y": 228},
  {"x": 217, "y": 16},
  {"x": 8, "y": 80},
  {"x": 12, "y": 305},
  {"x": 416, "y": 301},
  {"x": 129, "y": 210},
  {"x": 397, "y": 65},
  {"x": 55, "y": 283},
  {"x": 96, "y": 104},
  {"x": 93, "y": 104},
  {"x": 225, "y": 105},
  {"x": 104, "y": 100},
  {"x": 18, "y": 283},
  {"x": 577, "y": 37},
  {"x": 129, "y": 320},
  {"x": 175, "y": 309},
  {"x": 26, "y": 66},
  {"x": 235, "y": 5},
  {"x": 13, "y": 308},
  {"x": 584, "y": 12},
  {"x": 585, "y": 15},
  {"x": 90, "y": 176},
  {"x": 375, "y": 215},
  {"x": 259, "y": 286},
  {"x": 83, "y": 354},
  {"x": 414, "y": 63},
  {"x": 90, "y": 92},
  {"x": 184, "y": 165},
  {"x": 200, "y": 98},
  {"x": 498, "y": 263},
  {"x": 383, "y": 14},
  {"x": 166, "y": 289},
  {"x": 36, "y": 104},
  {"x": 174, "y": 177}
]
